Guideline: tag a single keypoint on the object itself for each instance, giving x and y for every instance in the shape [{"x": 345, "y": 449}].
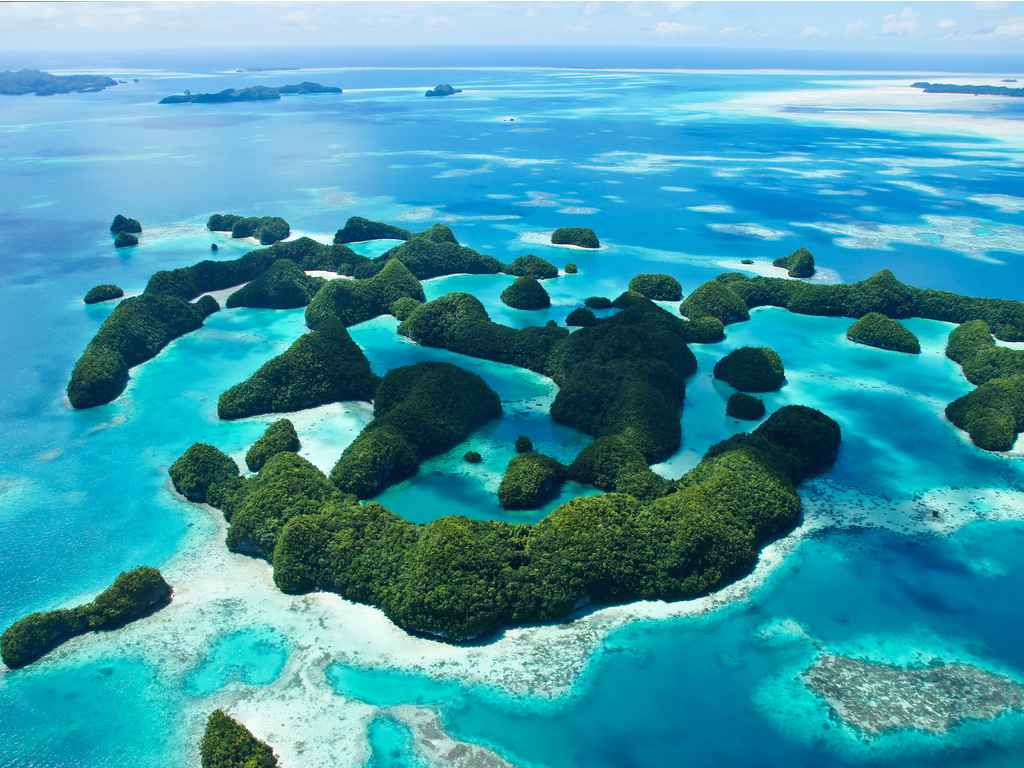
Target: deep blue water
[{"x": 84, "y": 494}]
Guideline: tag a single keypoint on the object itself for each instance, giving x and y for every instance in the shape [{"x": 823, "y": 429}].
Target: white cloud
[
  {"x": 1013, "y": 27},
  {"x": 857, "y": 28},
  {"x": 573, "y": 28},
  {"x": 676, "y": 28},
  {"x": 944, "y": 23},
  {"x": 813, "y": 32},
  {"x": 730, "y": 30},
  {"x": 992, "y": 5},
  {"x": 905, "y": 24}
]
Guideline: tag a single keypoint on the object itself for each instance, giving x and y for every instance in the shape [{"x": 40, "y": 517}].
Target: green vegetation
[
  {"x": 877, "y": 330},
  {"x": 526, "y": 293},
  {"x": 419, "y": 411},
  {"x": 442, "y": 90},
  {"x": 323, "y": 366},
  {"x": 462, "y": 578},
  {"x": 279, "y": 436},
  {"x": 523, "y": 444},
  {"x": 267, "y": 229},
  {"x": 459, "y": 322},
  {"x": 746, "y": 261},
  {"x": 881, "y": 293},
  {"x": 704, "y": 330},
  {"x": 124, "y": 240},
  {"x": 284, "y": 286},
  {"x": 657, "y": 287},
  {"x": 355, "y": 301},
  {"x": 530, "y": 479},
  {"x": 124, "y": 224},
  {"x": 205, "y": 474},
  {"x": 472, "y": 457},
  {"x": 612, "y": 463},
  {"x": 571, "y": 268},
  {"x": 129, "y": 596},
  {"x": 229, "y": 744},
  {"x": 252, "y": 93},
  {"x": 715, "y": 299},
  {"x": 993, "y": 414},
  {"x": 971, "y": 346},
  {"x": 189, "y": 282},
  {"x": 583, "y": 237},
  {"x": 404, "y": 307},
  {"x": 751, "y": 369},
  {"x": 44, "y": 84},
  {"x": 598, "y": 302},
  {"x": 744, "y": 406},
  {"x": 357, "y": 230},
  {"x": 531, "y": 266},
  {"x": 134, "y": 332},
  {"x": 627, "y": 299},
  {"x": 581, "y": 316},
  {"x": 104, "y": 292},
  {"x": 800, "y": 263},
  {"x": 433, "y": 253}
]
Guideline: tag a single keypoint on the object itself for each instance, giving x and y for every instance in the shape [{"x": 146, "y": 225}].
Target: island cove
[{"x": 621, "y": 379}]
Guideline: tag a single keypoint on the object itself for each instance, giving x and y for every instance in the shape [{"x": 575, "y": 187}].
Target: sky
[{"x": 963, "y": 27}]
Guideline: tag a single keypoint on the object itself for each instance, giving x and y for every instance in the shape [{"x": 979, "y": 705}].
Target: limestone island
[
  {"x": 877, "y": 330},
  {"x": 125, "y": 240},
  {"x": 252, "y": 93},
  {"x": 657, "y": 287},
  {"x": 973, "y": 90},
  {"x": 105, "y": 292},
  {"x": 229, "y": 744},
  {"x": 878, "y": 698},
  {"x": 124, "y": 224},
  {"x": 582, "y": 237},
  {"x": 800, "y": 263},
  {"x": 44, "y": 84},
  {"x": 526, "y": 293},
  {"x": 442, "y": 90},
  {"x": 751, "y": 369},
  {"x": 131, "y": 595},
  {"x": 267, "y": 229},
  {"x": 744, "y": 406}
]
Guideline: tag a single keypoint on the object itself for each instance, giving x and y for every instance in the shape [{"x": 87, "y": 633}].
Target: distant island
[
  {"x": 442, "y": 90},
  {"x": 269, "y": 69},
  {"x": 252, "y": 93},
  {"x": 44, "y": 84},
  {"x": 974, "y": 90}
]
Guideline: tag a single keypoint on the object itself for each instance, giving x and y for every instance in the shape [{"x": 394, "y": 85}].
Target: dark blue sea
[{"x": 683, "y": 162}]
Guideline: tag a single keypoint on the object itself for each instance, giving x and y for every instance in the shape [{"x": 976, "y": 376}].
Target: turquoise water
[{"x": 639, "y": 156}]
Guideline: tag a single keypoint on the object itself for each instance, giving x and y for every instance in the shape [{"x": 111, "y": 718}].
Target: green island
[
  {"x": 992, "y": 414},
  {"x": 597, "y": 302},
  {"x": 418, "y": 411},
  {"x": 751, "y": 369},
  {"x": 714, "y": 299},
  {"x": 744, "y": 406},
  {"x": 433, "y": 253},
  {"x": 284, "y": 286},
  {"x": 267, "y": 229},
  {"x": 460, "y": 578},
  {"x": 355, "y": 301},
  {"x": 532, "y": 266},
  {"x": 135, "y": 331},
  {"x": 278, "y": 437},
  {"x": 571, "y": 268},
  {"x": 529, "y": 480},
  {"x": 132, "y": 594},
  {"x": 657, "y": 287},
  {"x": 442, "y": 90},
  {"x": 322, "y": 366},
  {"x": 581, "y": 317},
  {"x": 227, "y": 743},
  {"x": 124, "y": 224},
  {"x": 973, "y": 90},
  {"x": 125, "y": 240},
  {"x": 627, "y": 299},
  {"x": 877, "y": 330},
  {"x": 252, "y": 93},
  {"x": 526, "y": 293},
  {"x": 800, "y": 263},
  {"x": 105, "y": 292},
  {"x": 582, "y": 237},
  {"x": 44, "y": 84},
  {"x": 358, "y": 229}
]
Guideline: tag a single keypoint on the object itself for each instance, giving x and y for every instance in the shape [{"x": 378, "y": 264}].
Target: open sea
[{"x": 683, "y": 163}]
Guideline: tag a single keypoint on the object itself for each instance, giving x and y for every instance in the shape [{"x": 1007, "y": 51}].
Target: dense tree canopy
[
  {"x": 104, "y": 292},
  {"x": 531, "y": 266},
  {"x": 279, "y": 436},
  {"x": 877, "y": 330},
  {"x": 800, "y": 263},
  {"x": 526, "y": 293},
  {"x": 583, "y": 237},
  {"x": 751, "y": 369},
  {"x": 229, "y": 744},
  {"x": 358, "y": 229},
  {"x": 658, "y": 287},
  {"x": 283, "y": 286},
  {"x": 355, "y": 301}
]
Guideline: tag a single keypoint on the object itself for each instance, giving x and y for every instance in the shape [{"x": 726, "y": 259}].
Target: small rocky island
[
  {"x": 229, "y": 744},
  {"x": 876, "y": 698},
  {"x": 581, "y": 237},
  {"x": 252, "y": 93},
  {"x": 44, "y": 84},
  {"x": 442, "y": 90}
]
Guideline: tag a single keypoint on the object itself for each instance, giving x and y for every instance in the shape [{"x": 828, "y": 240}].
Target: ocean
[{"x": 683, "y": 162}]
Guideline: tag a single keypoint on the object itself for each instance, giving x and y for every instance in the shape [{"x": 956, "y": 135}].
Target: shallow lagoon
[{"x": 638, "y": 156}]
